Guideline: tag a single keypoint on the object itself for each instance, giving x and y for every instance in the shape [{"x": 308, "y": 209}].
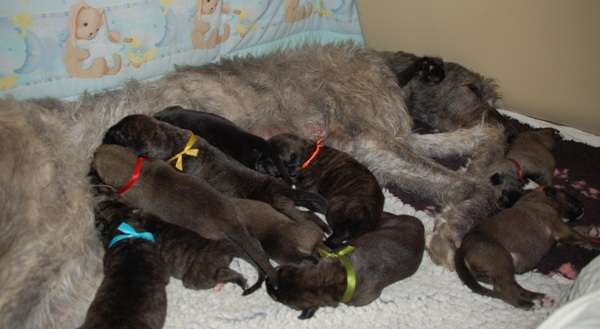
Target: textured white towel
[{"x": 431, "y": 298}]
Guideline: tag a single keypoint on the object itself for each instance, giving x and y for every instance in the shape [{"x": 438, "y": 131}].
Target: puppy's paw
[
  {"x": 568, "y": 271},
  {"x": 431, "y": 70}
]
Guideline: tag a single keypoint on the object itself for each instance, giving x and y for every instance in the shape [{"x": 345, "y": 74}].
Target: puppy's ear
[{"x": 496, "y": 179}]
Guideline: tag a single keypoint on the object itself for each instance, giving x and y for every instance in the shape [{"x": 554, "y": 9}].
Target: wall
[{"x": 545, "y": 54}]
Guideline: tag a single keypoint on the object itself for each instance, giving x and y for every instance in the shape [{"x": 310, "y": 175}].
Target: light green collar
[{"x": 342, "y": 255}]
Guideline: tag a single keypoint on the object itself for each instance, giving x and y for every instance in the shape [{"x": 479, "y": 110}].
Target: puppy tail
[
  {"x": 309, "y": 200},
  {"x": 467, "y": 277},
  {"x": 252, "y": 248}
]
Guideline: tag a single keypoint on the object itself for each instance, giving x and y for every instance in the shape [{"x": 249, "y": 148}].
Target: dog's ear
[
  {"x": 550, "y": 192},
  {"x": 496, "y": 179}
]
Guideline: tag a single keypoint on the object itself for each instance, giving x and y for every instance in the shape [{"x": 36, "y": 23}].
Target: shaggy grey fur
[{"x": 50, "y": 262}]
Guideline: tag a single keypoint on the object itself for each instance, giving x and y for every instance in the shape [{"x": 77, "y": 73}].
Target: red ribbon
[
  {"x": 134, "y": 177},
  {"x": 520, "y": 173},
  {"x": 313, "y": 156}
]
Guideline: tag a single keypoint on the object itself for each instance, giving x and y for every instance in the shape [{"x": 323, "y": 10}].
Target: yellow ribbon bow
[
  {"x": 187, "y": 150},
  {"x": 342, "y": 255}
]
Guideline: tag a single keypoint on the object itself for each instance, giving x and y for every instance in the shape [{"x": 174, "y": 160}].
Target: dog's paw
[
  {"x": 568, "y": 271},
  {"x": 431, "y": 70},
  {"x": 441, "y": 250}
]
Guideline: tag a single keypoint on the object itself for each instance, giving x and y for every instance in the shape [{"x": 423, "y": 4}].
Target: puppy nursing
[
  {"x": 353, "y": 193},
  {"x": 156, "y": 139},
  {"x": 514, "y": 241},
  {"x": 390, "y": 253},
  {"x": 178, "y": 198},
  {"x": 133, "y": 291},
  {"x": 528, "y": 156}
]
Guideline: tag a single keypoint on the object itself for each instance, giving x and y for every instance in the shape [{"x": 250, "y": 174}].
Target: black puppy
[
  {"x": 251, "y": 150},
  {"x": 152, "y": 138},
  {"x": 352, "y": 192},
  {"x": 514, "y": 241},
  {"x": 133, "y": 291},
  {"x": 198, "y": 262},
  {"x": 374, "y": 261}
]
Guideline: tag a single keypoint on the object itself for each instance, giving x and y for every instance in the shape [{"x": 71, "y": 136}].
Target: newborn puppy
[
  {"x": 198, "y": 262},
  {"x": 149, "y": 137},
  {"x": 389, "y": 254},
  {"x": 133, "y": 291},
  {"x": 178, "y": 198},
  {"x": 251, "y": 150},
  {"x": 429, "y": 69},
  {"x": 514, "y": 241},
  {"x": 284, "y": 240},
  {"x": 528, "y": 156},
  {"x": 352, "y": 192}
]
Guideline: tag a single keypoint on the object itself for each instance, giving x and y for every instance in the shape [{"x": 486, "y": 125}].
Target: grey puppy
[
  {"x": 133, "y": 291},
  {"x": 514, "y": 241},
  {"x": 198, "y": 262},
  {"x": 353, "y": 193},
  {"x": 180, "y": 199},
  {"x": 389, "y": 254},
  {"x": 156, "y": 139}
]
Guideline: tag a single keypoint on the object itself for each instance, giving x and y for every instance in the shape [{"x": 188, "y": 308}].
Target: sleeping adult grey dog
[{"x": 346, "y": 92}]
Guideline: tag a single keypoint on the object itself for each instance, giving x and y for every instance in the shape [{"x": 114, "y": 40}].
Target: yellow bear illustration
[
  {"x": 295, "y": 11},
  {"x": 91, "y": 50},
  {"x": 205, "y": 30}
]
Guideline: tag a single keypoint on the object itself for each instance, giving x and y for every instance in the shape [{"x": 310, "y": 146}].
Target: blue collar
[{"x": 130, "y": 233}]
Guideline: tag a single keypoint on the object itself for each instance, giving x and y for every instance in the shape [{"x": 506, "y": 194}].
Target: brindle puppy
[
  {"x": 251, "y": 150},
  {"x": 178, "y": 198},
  {"x": 514, "y": 241},
  {"x": 352, "y": 192},
  {"x": 430, "y": 70},
  {"x": 156, "y": 139},
  {"x": 133, "y": 291},
  {"x": 528, "y": 156},
  {"x": 198, "y": 262},
  {"x": 389, "y": 254}
]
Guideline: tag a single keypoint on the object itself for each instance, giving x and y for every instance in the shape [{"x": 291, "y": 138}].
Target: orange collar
[
  {"x": 134, "y": 177},
  {"x": 313, "y": 156},
  {"x": 519, "y": 169}
]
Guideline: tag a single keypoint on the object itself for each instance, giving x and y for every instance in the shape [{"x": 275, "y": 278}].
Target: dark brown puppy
[
  {"x": 352, "y": 192},
  {"x": 284, "y": 240},
  {"x": 430, "y": 70},
  {"x": 178, "y": 198},
  {"x": 389, "y": 254},
  {"x": 198, "y": 262},
  {"x": 514, "y": 241},
  {"x": 251, "y": 150},
  {"x": 133, "y": 291},
  {"x": 528, "y": 156},
  {"x": 156, "y": 139}
]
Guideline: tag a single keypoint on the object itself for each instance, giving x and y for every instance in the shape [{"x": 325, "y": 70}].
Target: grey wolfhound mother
[{"x": 50, "y": 259}]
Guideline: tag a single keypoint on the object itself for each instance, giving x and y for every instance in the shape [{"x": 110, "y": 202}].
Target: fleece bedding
[
  {"x": 61, "y": 48},
  {"x": 433, "y": 298}
]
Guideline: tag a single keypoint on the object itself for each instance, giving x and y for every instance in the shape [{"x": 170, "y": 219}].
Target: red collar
[
  {"x": 519, "y": 168},
  {"x": 313, "y": 156},
  {"x": 134, "y": 177}
]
